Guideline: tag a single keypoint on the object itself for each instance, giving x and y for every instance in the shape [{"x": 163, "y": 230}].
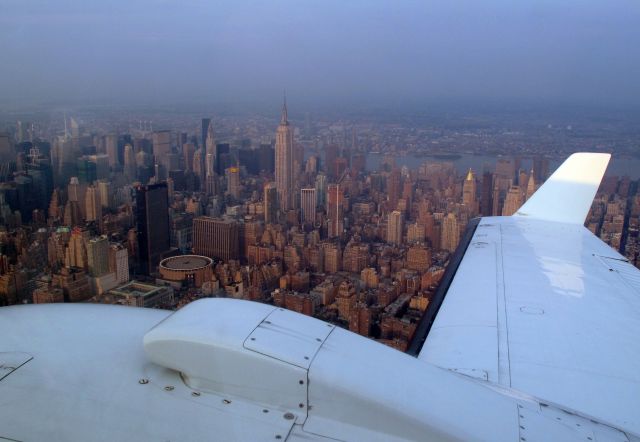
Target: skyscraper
[
  {"x": 161, "y": 150},
  {"x": 393, "y": 188},
  {"x": 76, "y": 252},
  {"x": 199, "y": 167},
  {"x": 216, "y": 238},
  {"x": 210, "y": 141},
  {"x": 469, "y": 192},
  {"x": 111, "y": 148},
  {"x": 203, "y": 132},
  {"x": 270, "y": 203},
  {"x": 6, "y": 150},
  {"x": 98, "y": 256},
  {"x": 93, "y": 208},
  {"x": 210, "y": 179},
  {"x": 330, "y": 156},
  {"x": 512, "y": 201},
  {"x": 308, "y": 201},
  {"x": 233, "y": 182},
  {"x": 284, "y": 161},
  {"x": 129, "y": 162},
  {"x": 152, "y": 218},
  {"x": 105, "y": 193},
  {"x": 450, "y": 233},
  {"x": 487, "y": 193},
  {"x": 321, "y": 189},
  {"x": 188, "y": 151},
  {"x": 335, "y": 210},
  {"x": 531, "y": 185},
  {"x": 119, "y": 262},
  {"x": 394, "y": 227}
]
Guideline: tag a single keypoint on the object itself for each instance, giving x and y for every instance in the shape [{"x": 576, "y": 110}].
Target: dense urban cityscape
[{"x": 348, "y": 219}]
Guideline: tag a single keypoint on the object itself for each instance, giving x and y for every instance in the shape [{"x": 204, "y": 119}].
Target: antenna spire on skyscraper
[{"x": 285, "y": 118}]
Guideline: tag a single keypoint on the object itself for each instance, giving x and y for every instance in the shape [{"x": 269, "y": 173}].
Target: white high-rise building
[
  {"x": 119, "y": 262},
  {"x": 284, "y": 161},
  {"x": 450, "y": 233}
]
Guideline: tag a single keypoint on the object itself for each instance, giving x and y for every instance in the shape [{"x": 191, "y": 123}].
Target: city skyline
[{"x": 328, "y": 220}]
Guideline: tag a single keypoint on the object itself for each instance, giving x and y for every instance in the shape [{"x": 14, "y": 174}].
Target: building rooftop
[{"x": 186, "y": 262}]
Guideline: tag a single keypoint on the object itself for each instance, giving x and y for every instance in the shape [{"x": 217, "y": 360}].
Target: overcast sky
[{"x": 331, "y": 51}]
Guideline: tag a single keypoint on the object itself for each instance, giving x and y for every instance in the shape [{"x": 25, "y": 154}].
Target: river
[{"x": 617, "y": 166}]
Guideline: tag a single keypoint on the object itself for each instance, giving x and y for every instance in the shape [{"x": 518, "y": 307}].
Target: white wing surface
[
  {"x": 567, "y": 195},
  {"x": 541, "y": 306}
]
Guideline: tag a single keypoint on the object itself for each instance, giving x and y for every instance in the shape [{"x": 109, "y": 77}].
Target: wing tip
[{"x": 567, "y": 195}]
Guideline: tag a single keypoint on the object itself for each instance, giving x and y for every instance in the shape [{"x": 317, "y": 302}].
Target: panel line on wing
[{"x": 504, "y": 361}]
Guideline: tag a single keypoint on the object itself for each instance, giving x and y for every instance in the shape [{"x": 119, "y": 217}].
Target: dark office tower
[
  {"x": 86, "y": 170},
  {"x": 331, "y": 154},
  {"x": 7, "y": 152},
  {"x": 540, "y": 168},
  {"x": 39, "y": 169},
  {"x": 26, "y": 196},
  {"x": 181, "y": 138},
  {"x": 203, "y": 133},
  {"x": 298, "y": 158},
  {"x": 179, "y": 180},
  {"x": 216, "y": 238},
  {"x": 486, "y": 202},
  {"x": 270, "y": 203},
  {"x": 222, "y": 158},
  {"x": 152, "y": 219},
  {"x": 267, "y": 158},
  {"x": 250, "y": 159}
]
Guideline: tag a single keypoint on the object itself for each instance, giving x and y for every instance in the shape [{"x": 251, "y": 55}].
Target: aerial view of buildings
[{"x": 349, "y": 220}]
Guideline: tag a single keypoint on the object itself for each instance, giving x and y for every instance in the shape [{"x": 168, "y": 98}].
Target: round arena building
[{"x": 193, "y": 270}]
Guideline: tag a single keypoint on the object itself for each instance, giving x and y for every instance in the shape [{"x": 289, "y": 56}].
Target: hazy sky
[{"x": 330, "y": 51}]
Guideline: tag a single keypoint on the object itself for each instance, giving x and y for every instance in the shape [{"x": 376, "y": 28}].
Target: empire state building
[{"x": 284, "y": 161}]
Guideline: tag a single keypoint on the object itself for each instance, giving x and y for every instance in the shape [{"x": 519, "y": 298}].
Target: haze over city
[
  {"x": 319, "y": 220},
  {"x": 323, "y": 52}
]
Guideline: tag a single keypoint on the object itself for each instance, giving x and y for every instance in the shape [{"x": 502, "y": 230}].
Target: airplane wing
[
  {"x": 533, "y": 337},
  {"x": 541, "y": 306}
]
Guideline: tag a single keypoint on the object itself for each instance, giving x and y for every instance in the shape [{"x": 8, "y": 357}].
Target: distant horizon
[
  {"x": 301, "y": 106},
  {"x": 361, "y": 51}
]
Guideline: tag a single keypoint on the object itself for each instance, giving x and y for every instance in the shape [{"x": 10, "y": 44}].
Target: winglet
[{"x": 567, "y": 195}]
